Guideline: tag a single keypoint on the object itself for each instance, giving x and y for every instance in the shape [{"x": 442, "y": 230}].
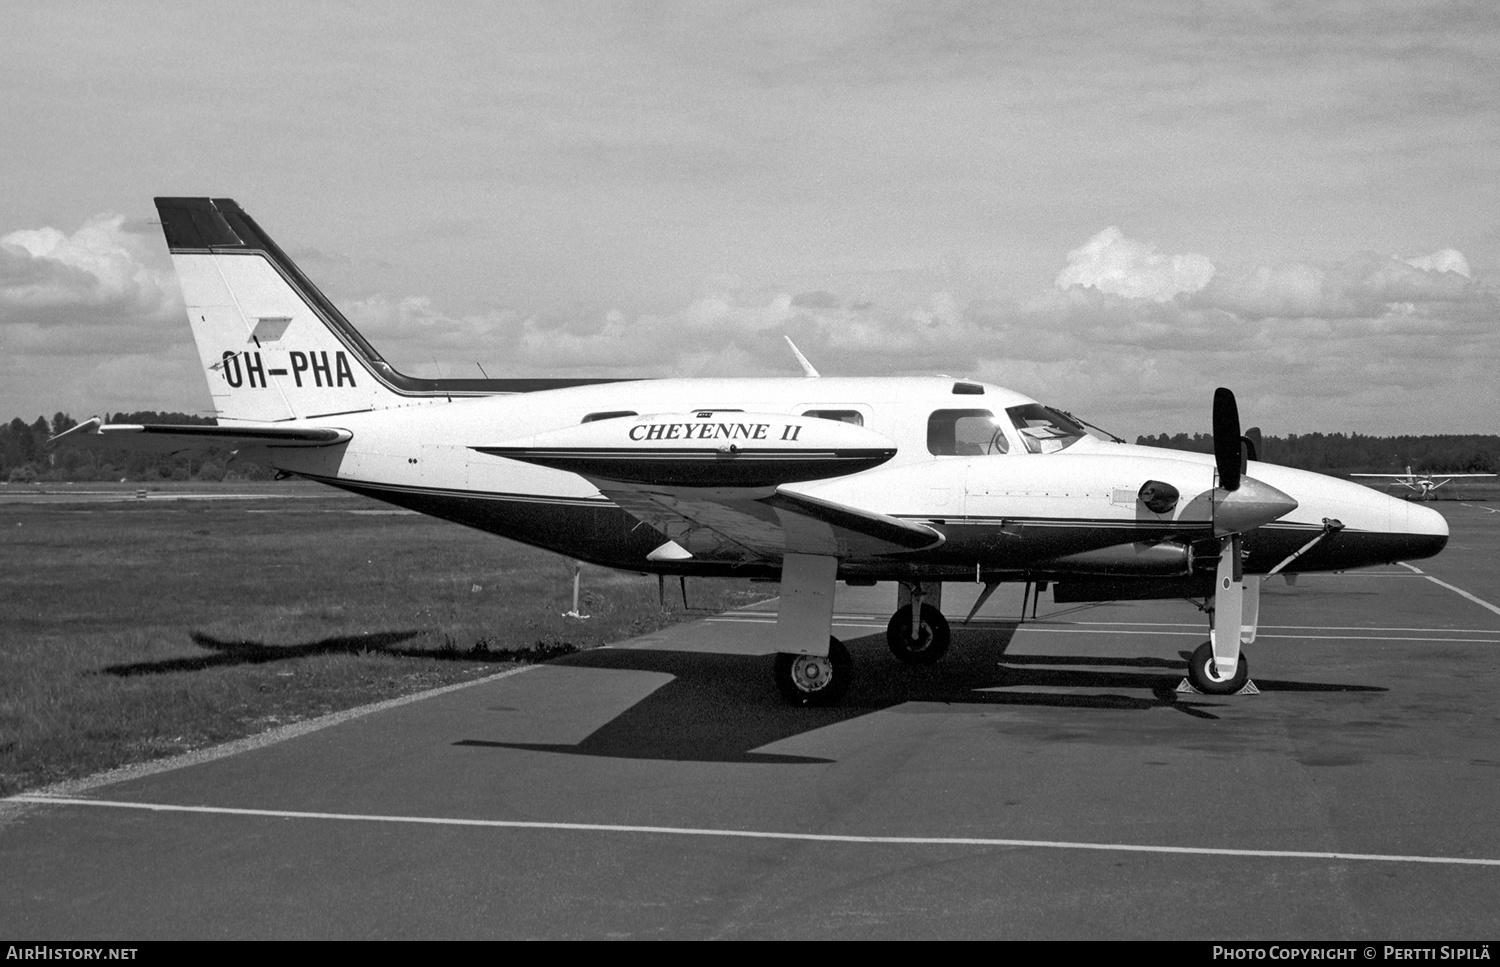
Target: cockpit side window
[
  {"x": 1043, "y": 429},
  {"x": 606, "y": 415},
  {"x": 965, "y": 433},
  {"x": 842, "y": 416}
]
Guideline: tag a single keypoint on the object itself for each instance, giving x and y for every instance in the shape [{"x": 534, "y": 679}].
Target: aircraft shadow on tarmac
[
  {"x": 717, "y": 708},
  {"x": 256, "y": 653}
]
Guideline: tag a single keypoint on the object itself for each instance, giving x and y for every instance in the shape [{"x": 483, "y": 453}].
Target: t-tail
[{"x": 273, "y": 346}]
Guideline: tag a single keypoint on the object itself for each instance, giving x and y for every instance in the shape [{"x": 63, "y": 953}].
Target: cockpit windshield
[
  {"x": 1097, "y": 432},
  {"x": 1044, "y": 429}
]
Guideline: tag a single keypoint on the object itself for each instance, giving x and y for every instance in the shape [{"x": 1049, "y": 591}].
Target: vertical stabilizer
[{"x": 273, "y": 346}]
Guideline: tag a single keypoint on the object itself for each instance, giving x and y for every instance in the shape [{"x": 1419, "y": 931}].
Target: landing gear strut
[{"x": 815, "y": 680}]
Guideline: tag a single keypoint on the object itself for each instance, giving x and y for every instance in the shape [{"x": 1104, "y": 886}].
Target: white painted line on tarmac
[
  {"x": 1063, "y": 628},
  {"x": 1163, "y": 624},
  {"x": 40, "y": 800},
  {"x": 1456, "y": 590},
  {"x": 1305, "y": 576},
  {"x": 1199, "y": 634},
  {"x": 759, "y": 617}
]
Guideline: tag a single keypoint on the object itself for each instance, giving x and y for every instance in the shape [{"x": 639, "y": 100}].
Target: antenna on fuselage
[{"x": 807, "y": 367}]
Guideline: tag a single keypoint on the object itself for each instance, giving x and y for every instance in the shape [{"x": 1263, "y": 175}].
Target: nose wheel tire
[
  {"x": 1203, "y": 673},
  {"x": 815, "y": 680},
  {"x": 930, "y": 643}
]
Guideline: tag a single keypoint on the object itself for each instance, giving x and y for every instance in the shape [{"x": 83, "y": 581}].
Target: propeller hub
[{"x": 1254, "y": 503}]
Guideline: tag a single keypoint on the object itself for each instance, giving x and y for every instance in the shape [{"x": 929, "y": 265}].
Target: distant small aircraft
[
  {"x": 806, "y": 480},
  {"x": 1422, "y": 483}
]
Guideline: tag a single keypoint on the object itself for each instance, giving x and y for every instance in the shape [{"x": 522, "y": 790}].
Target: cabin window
[
  {"x": 1044, "y": 430},
  {"x": 965, "y": 433},
  {"x": 607, "y": 415},
  {"x": 842, "y": 416}
]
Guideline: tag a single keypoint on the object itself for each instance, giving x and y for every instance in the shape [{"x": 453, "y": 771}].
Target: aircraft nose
[
  {"x": 1426, "y": 530},
  {"x": 1253, "y": 504},
  {"x": 1424, "y": 520}
]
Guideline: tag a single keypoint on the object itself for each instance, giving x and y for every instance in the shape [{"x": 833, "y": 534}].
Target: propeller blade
[
  {"x": 1252, "y": 443},
  {"x": 1227, "y": 439}
]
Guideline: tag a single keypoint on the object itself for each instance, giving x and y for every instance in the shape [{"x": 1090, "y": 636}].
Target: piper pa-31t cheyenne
[{"x": 807, "y": 480}]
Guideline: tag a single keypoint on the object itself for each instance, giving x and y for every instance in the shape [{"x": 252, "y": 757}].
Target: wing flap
[
  {"x": 748, "y": 525},
  {"x": 165, "y": 438},
  {"x": 866, "y": 525}
]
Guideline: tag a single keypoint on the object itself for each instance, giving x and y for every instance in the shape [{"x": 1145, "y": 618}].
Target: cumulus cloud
[
  {"x": 104, "y": 270},
  {"x": 1374, "y": 342},
  {"x": 91, "y": 320},
  {"x": 1443, "y": 260},
  {"x": 1366, "y": 286},
  {"x": 1113, "y": 263},
  {"x": 1158, "y": 335},
  {"x": 728, "y": 330},
  {"x": 1125, "y": 330}
]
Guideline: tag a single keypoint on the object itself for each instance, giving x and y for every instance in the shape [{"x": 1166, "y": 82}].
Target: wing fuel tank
[{"x": 704, "y": 449}]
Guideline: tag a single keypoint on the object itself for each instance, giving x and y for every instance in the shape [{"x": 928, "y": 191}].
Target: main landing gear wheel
[
  {"x": 1203, "y": 673},
  {"x": 812, "y": 680},
  {"x": 931, "y": 642}
]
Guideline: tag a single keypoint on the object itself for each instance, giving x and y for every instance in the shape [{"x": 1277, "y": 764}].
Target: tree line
[
  {"x": 1338, "y": 453},
  {"x": 25, "y": 459}
]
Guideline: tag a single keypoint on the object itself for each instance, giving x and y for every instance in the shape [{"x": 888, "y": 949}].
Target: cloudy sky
[{"x": 1113, "y": 207}]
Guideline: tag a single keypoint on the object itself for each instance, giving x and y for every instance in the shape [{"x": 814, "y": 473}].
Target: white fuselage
[{"x": 1010, "y": 502}]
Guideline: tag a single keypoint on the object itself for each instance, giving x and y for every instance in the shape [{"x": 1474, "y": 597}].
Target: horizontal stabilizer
[{"x": 162, "y": 438}]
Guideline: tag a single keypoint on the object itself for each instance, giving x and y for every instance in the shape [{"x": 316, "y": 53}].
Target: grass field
[{"x": 132, "y": 629}]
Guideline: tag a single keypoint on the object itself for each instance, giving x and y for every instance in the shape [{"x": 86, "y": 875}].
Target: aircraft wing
[
  {"x": 166, "y": 438},
  {"x": 1419, "y": 476},
  {"x": 746, "y": 525}
]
